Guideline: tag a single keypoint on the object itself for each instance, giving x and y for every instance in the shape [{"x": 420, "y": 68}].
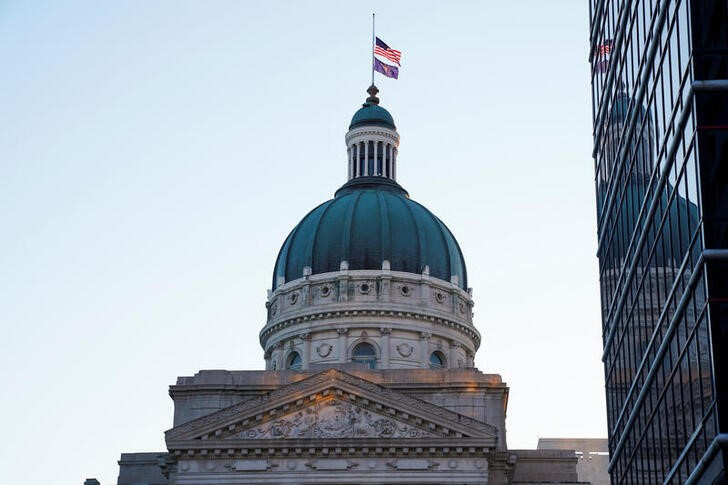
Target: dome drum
[{"x": 320, "y": 307}]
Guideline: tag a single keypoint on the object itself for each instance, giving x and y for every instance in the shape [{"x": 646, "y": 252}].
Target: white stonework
[
  {"x": 312, "y": 429},
  {"x": 406, "y": 318}
]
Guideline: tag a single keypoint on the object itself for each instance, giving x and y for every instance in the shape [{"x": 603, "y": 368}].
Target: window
[
  {"x": 293, "y": 362},
  {"x": 364, "y": 353},
  {"x": 437, "y": 360}
]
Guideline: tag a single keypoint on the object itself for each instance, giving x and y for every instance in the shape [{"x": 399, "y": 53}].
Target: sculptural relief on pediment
[{"x": 333, "y": 419}]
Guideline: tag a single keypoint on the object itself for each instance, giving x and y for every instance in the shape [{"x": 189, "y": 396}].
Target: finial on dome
[{"x": 373, "y": 95}]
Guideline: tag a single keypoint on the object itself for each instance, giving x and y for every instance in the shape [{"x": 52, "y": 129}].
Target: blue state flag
[{"x": 386, "y": 69}]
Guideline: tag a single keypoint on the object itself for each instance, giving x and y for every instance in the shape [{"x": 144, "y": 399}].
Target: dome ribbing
[{"x": 370, "y": 219}]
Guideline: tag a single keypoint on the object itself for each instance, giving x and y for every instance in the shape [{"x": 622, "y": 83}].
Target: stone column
[
  {"x": 394, "y": 163},
  {"x": 375, "y": 146},
  {"x": 306, "y": 357},
  {"x": 385, "y": 283},
  {"x": 355, "y": 160},
  {"x": 343, "y": 344},
  {"x": 350, "y": 153},
  {"x": 452, "y": 359},
  {"x": 385, "y": 331},
  {"x": 424, "y": 349},
  {"x": 366, "y": 158},
  {"x": 280, "y": 357},
  {"x": 306, "y": 287},
  {"x": 343, "y": 281}
]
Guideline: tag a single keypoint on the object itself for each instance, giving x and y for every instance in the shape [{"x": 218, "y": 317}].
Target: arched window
[
  {"x": 437, "y": 360},
  {"x": 293, "y": 362},
  {"x": 365, "y": 354}
]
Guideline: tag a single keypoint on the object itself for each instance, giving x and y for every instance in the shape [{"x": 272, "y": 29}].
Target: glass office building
[{"x": 659, "y": 74}]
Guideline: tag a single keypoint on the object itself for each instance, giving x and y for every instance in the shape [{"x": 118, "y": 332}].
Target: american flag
[
  {"x": 605, "y": 48},
  {"x": 382, "y": 49}
]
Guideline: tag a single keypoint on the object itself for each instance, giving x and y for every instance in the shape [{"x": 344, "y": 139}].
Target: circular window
[
  {"x": 293, "y": 298},
  {"x": 325, "y": 291},
  {"x": 406, "y": 290},
  {"x": 437, "y": 360},
  {"x": 365, "y": 288},
  {"x": 364, "y": 353},
  {"x": 440, "y": 297}
]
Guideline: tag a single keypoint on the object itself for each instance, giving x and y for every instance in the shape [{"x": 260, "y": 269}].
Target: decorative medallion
[
  {"x": 405, "y": 290},
  {"x": 293, "y": 298},
  {"x": 274, "y": 309},
  {"x": 405, "y": 349},
  {"x": 461, "y": 307},
  {"x": 324, "y": 349},
  {"x": 440, "y": 297},
  {"x": 365, "y": 288},
  {"x": 325, "y": 291}
]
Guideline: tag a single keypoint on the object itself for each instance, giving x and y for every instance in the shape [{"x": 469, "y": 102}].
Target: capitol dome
[
  {"x": 370, "y": 277},
  {"x": 369, "y": 221}
]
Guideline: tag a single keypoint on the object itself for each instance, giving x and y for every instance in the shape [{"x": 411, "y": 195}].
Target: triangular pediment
[
  {"x": 332, "y": 417},
  {"x": 330, "y": 405}
]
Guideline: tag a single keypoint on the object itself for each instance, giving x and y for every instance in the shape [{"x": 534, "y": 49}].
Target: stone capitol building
[{"x": 369, "y": 346}]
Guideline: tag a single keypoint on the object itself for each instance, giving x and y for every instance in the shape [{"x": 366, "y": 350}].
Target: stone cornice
[
  {"x": 274, "y": 403},
  {"x": 252, "y": 383},
  {"x": 321, "y": 448},
  {"x": 368, "y": 274},
  {"x": 364, "y": 311},
  {"x": 371, "y": 131}
]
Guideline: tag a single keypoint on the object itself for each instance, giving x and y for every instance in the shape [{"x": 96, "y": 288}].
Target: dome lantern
[{"x": 372, "y": 141}]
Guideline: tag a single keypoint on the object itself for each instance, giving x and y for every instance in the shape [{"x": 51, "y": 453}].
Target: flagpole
[{"x": 372, "y": 48}]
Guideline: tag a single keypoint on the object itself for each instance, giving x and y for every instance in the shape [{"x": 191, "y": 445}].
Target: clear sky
[{"x": 154, "y": 155}]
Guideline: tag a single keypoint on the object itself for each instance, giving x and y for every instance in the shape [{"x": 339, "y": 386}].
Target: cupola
[{"x": 372, "y": 141}]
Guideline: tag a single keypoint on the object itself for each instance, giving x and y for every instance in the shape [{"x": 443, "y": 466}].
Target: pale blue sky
[{"x": 154, "y": 155}]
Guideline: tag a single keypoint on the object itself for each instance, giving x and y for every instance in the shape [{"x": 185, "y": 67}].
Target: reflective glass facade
[{"x": 659, "y": 73}]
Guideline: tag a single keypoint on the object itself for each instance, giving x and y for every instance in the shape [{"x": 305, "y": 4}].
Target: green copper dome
[
  {"x": 371, "y": 114},
  {"x": 370, "y": 219}
]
